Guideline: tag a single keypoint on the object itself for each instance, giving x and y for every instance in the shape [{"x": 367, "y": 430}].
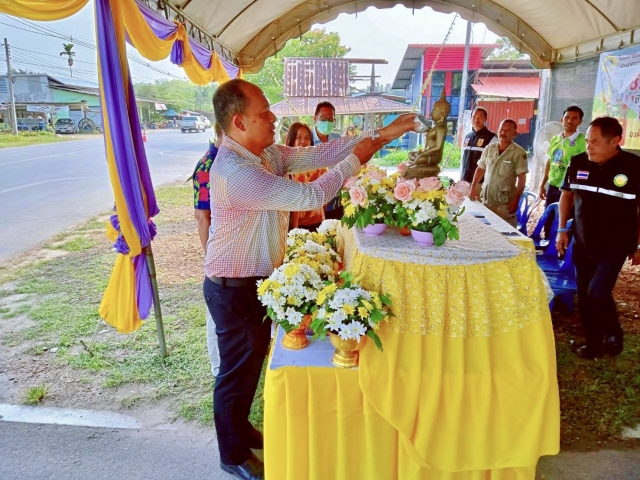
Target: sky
[{"x": 372, "y": 34}]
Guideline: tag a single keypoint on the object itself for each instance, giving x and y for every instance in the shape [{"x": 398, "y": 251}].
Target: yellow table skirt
[{"x": 466, "y": 387}]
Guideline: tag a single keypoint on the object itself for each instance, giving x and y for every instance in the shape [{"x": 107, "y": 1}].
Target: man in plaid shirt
[{"x": 251, "y": 196}]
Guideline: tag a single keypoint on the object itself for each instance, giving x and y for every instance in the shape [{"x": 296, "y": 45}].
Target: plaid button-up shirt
[{"x": 251, "y": 198}]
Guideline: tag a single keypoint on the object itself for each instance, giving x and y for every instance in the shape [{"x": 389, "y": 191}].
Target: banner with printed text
[{"x": 618, "y": 92}]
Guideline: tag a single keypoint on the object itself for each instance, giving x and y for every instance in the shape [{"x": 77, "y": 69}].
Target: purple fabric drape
[
  {"x": 231, "y": 69},
  {"x": 162, "y": 27},
  {"x": 201, "y": 54},
  {"x": 144, "y": 292},
  {"x": 126, "y": 141},
  {"x": 177, "y": 53}
]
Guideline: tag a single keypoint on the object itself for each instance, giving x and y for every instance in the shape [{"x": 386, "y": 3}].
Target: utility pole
[
  {"x": 14, "y": 119},
  {"x": 463, "y": 87}
]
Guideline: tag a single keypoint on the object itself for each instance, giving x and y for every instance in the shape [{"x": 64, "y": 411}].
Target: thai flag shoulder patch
[{"x": 582, "y": 174}]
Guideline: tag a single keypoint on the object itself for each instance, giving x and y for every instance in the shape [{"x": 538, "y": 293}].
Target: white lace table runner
[{"x": 479, "y": 243}]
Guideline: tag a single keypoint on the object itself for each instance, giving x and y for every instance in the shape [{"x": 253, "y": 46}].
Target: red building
[{"x": 506, "y": 88}]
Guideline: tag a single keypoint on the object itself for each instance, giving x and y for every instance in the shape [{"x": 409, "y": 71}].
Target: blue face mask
[{"x": 324, "y": 127}]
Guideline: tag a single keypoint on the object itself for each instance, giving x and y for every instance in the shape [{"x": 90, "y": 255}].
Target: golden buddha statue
[{"x": 425, "y": 161}]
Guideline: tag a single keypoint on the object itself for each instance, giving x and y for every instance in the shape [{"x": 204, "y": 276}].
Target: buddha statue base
[{"x": 421, "y": 171}]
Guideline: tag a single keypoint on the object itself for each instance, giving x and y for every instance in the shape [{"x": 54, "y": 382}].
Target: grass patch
[
  {"x": 78, "y": 244},
  {"x": 32, "y": 138},
  {"x": 35, "y": 395},
  {"x": 450, "y": 158},
  {"x": 174, "y": 195},
  {"x": 599, "y": 398}
]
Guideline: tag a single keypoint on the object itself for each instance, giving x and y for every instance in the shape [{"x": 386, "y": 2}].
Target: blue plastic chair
[
  {"x": 548, "y": 260},
  {"x": 542, "y": 244},
  {"x": 563, "y": 280},
  {"x": 527, "y": 200}
]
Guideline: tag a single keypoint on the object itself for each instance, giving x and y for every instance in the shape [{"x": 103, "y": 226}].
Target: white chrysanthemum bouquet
[
  {"x": 323, "y": 259},
  {"x": 350, "y": 311},
  {"x": 290, "y": 293}
]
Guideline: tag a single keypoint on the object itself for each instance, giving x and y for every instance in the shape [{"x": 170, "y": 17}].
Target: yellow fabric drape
[
  {"x": 142, "y": 36},
  {"x": 154, "y": 48},
  {"x": 119, "y": 307},
  {"x": 465, "y": 389},
  {"x": 44, "y": 10}
]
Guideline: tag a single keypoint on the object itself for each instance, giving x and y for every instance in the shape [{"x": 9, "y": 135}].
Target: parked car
[
  {"x": 192, "y": 123},
  {"x": 206, "y": 121},
  {"x": 66, "y": 125}
]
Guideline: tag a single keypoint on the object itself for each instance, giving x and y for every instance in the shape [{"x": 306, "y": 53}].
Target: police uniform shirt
[
  {"x": 473, "y": 146},
  {"x": 606, "y": 203}
]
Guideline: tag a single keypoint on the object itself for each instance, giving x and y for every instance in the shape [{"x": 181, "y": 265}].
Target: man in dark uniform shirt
[
  {"x": 474, "y": 143},
  {"x": 603, "y": 184}
]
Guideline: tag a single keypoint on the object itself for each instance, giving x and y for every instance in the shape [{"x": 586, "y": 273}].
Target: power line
[{"x": 53, "y": 34}]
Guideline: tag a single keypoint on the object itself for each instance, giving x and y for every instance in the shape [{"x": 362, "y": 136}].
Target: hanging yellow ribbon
[{"x": 42, "y": 9}]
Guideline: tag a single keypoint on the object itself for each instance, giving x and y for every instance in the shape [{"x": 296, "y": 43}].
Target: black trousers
[
  {"x": 596, "y": 275},
  {"x": 553, "y": 196},
  {"x": 243, "y": 339}
]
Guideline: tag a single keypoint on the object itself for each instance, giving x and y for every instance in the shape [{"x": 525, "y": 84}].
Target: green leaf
[
  {"x": 386, "y": 300},
  {"x": 376, "y": 339},
  {"x": 377, "y": 316},
  {"x": 439, "y": 235}
]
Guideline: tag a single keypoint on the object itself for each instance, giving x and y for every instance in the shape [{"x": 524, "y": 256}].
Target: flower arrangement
[
  {"x": 349, "y": 311},
  {"x": 368, "y": 198},
  {"x": 329, "y": 228},
  {"x": 323, "y": 259},
  {"x": 425, "y": 206},
  {"x": 297, "y": 237},
  {"x": 290, "y": 293}
]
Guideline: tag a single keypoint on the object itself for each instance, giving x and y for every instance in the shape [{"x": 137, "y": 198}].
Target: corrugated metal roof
[
  {"x": 415, "y": 52},
  {"x": 509, "y": 87},
  {"x": 295, "y": 106}
]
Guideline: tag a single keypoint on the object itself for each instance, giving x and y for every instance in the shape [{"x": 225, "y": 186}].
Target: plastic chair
[
  {"x": 563, "y": 281},
  {"x": 548, "y": 260},
  {"x": 542, "y": 244},
  {"x": 527, "y": 200}
]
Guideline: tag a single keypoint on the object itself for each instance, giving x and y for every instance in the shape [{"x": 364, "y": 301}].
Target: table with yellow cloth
[{"x": 465, "y": 388}]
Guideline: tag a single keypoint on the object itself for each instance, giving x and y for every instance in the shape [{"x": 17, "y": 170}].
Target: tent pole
[{"x": 151, "y": 267}]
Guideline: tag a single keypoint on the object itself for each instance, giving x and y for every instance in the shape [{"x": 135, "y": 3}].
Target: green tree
[
  {"x": 67, "y": 51},
  {"x": 506, "y": 51},
  {"x": 178, "y": 94},
  {"x": 315, "y": 43}
]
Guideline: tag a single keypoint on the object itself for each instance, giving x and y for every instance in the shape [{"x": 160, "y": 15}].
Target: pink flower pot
[
  {"x": 375, "y": 230},
  {"x": 422, "y": 238}
]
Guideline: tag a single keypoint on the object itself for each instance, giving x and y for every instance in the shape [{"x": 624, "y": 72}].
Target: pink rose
[
  {"x": 428, "y": 184},
  {"x": 350, "y": 182},
  {"x": 404, "y": 190},
  {"x": 462, "y": 187},
  {"x": 402, "y": 167},
  {"x": 358, "y": 195},
  {"x": 454, "y": 197},
  {"x": 377, "y": 174}
]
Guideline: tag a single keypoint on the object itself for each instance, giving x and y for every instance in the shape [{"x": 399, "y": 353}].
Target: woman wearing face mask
[{"x": 300, "y": 136}]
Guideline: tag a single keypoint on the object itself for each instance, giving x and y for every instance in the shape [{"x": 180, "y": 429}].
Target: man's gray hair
[{"x": 230, "y": 99}]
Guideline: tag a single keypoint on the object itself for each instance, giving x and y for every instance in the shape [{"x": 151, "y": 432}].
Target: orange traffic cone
[{"x": 144, "y": 135}]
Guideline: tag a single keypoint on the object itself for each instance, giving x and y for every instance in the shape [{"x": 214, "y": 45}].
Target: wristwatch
[{"x": 562, "y": 230}]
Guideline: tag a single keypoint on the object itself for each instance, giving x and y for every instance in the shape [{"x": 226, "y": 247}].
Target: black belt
[{"x": 236, "y": 282}]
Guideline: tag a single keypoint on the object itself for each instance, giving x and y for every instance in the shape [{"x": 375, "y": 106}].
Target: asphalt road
[{"x": 45, "y": 189}]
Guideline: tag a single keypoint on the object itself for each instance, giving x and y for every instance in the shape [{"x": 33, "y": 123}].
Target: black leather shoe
[
  {"x": 588, "y": 352},
  {"x": 252, "y": 469},
  {"x": 613, "y": 345},
  {"x": 255, "y": 439}
]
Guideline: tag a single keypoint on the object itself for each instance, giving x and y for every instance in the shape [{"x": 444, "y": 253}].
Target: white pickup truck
[{"x": 192, "y": 123}]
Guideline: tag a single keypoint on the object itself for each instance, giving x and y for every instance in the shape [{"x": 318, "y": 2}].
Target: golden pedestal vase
[
  {"x": 347, "y": 353},
  {"x": 296, "y": 339}
]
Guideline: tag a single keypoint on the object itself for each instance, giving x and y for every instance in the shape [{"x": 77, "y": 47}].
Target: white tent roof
[{"x": 249, "y": 31}]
